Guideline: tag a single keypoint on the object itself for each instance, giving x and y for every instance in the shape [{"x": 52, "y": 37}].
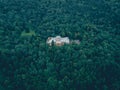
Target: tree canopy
[{"x": 28, "y": 63}]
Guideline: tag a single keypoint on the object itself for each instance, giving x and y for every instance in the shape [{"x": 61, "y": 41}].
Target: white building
[{"x": 58, "y": 40}]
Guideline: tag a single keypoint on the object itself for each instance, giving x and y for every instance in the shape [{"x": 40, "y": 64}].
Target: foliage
[{"x": 28, "y": 63}]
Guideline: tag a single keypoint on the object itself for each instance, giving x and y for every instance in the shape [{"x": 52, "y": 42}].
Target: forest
[{"x": 28, "y": 63}]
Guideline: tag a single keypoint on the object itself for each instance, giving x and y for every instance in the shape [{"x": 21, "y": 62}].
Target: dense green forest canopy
[{"x": 28, "y": 63}]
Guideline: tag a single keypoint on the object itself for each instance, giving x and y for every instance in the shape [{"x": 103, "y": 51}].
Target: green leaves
[{"x": 28, "y": 63}]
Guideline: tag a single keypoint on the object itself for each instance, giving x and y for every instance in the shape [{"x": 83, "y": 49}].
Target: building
[
  {"x": 58, "y": 40},
  {"x": 75, "y": 42}
]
